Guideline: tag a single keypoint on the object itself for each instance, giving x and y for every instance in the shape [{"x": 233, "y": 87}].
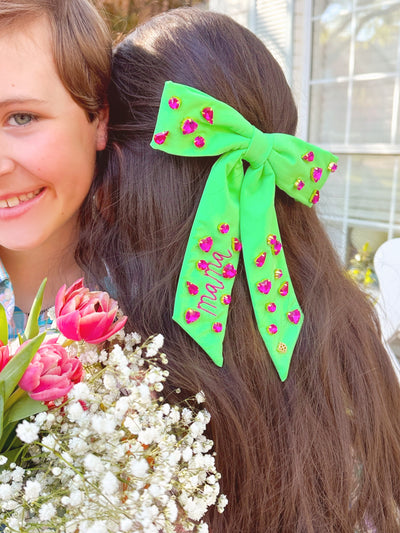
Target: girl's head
[
  {"x": 207, "y": 51},
  {"x": 80, "y": 43},
  {"x": 288, "y": 452},
  {"x": 54, "y": 73}
]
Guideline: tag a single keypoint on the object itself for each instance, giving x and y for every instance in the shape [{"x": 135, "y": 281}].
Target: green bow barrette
[{"x": 237, "y": 214}]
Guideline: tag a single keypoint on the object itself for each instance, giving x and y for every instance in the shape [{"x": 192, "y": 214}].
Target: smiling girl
[{"x": 54, "y": 73}]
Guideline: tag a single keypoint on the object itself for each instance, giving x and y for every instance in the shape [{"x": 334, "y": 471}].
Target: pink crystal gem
[
  {"x": 192, "y": 288},
  {"x": 189, "y": 126},
  {"x": 260, "y": 259},
  {"x": 159, "y": 138},
  {"x": 229, "y": 271},
  {"x": 284, "y": 289},
  {"x": 294, "y": 316},
  {"x": 271, "y": 307},
  {"x": 271, "y": 239},
  {"x": 277, "y": 273},
  {"x": 316, "y": 174},
  {"x": 174, "y": 102},
  {"x": 314, "y": 197},
  {"x": 299, "y": 184},
  {"x": 332, "y": 167},
  {"x": 309, "y": 156},
  {"x": 223, "y": 228},
  {"x": 264, "y": 286},
  {"x": 199, "y": 142},
  {"x": 272, "y": 329},
  {"x": 217, "y": 327},
  {"x": 236, "y": 245},
  {"x": 206, "y": 244},
  {"x": 277, "y": 247},
  {"x": 208, "y": 114},
  {"x": 226, "y": 299},
  {"x": 202, "y": 265},
  {"x": 191, "y": 316}
]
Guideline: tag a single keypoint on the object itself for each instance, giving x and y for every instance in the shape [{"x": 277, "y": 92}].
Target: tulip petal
[
  {"x": 69, "y": 325},
  {"x": 95, "y": 325},
  {"x": 60, "y": 299},
  {"x": 111, "y": 331}
]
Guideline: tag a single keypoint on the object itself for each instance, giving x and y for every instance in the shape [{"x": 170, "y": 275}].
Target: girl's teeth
[
  {"x": 16, "y": 200},
  {"x": 12, "y": 202}
]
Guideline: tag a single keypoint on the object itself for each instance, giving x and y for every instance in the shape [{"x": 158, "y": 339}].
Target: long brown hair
[{"x": 321, "y": 451}]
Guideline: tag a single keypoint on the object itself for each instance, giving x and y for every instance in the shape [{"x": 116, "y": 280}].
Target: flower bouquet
[{"x": 87, "y": 442}]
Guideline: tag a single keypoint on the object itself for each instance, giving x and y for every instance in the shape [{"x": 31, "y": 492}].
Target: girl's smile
[{"x": 17, "y": 205}]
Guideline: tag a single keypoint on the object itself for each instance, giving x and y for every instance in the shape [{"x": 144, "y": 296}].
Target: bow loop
[
  {"x": 236, "y": 214},
  {"x": 259, "y": 148}
]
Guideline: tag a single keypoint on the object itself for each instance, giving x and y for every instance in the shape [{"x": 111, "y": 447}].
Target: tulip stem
[{"x": 15, "y": 396}]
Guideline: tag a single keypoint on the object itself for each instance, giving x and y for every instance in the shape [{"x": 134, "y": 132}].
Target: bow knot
[
  {"x": 260, "y": 147},
  {"x": 236, "y": 214}
]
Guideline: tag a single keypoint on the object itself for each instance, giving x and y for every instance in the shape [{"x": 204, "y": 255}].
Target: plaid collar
[
  {"x": 3, "y": 272},
  {"x": 6, "y": 293}
]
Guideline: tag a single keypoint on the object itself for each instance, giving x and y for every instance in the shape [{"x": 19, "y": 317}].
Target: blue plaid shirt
[{"x": 16, "y": 318}]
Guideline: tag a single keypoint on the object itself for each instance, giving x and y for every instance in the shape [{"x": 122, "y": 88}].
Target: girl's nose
[{"x": 7, "y": 164}]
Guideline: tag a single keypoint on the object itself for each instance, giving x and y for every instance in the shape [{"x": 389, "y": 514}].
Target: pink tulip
[
  {"x": 86, "y": 315},
  {"x": 51, "y": 373},
  {"x": 4, "y": 355}
]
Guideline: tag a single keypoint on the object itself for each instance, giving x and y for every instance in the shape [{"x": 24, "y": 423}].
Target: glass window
[{"x": 354, "y": 111}]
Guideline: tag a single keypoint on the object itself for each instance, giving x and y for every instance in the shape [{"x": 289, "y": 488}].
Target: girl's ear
[{"x": 102, "y": 123}]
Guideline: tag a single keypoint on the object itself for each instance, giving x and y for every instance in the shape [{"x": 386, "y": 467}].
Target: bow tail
[
  {"x": 277, "y": 311},
  {"x": 211, "y": 258}
]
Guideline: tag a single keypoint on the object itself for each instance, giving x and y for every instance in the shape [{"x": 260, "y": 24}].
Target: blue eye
[{"x": 21, "y": 119}]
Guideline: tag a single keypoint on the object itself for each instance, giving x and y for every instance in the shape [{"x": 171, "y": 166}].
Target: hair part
[{"x": 81, "y": 45}]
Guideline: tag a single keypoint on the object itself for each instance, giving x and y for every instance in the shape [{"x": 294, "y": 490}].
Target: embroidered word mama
[{"x": 217, "y": 285}]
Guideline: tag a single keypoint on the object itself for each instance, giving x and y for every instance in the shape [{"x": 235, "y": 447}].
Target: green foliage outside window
[{"x": 124, "y": 15}]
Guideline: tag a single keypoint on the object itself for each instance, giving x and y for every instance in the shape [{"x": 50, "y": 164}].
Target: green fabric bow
[{"x": 237, "y": 214}]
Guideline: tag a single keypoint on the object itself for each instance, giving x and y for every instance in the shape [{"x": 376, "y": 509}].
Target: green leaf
[
  {"x": 3, "y": 325},
  {"x": 23, "y": 408},
  {"x": 15, "y": 368},
  {"x": 32, "y": 326},
  {"x": 12, "y": 456},
  {"x": 7, "y": 438}
]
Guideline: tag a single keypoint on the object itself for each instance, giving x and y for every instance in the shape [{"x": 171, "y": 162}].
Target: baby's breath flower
[
  {"x": 200, "y": 397},
  {"x": 32, "y": 490},
  {"x": 46, "y": 512},
  {"x": 27, "y": 431},
  {"x": 222, "y": 503},
  {"x": 116, "y": 456}
]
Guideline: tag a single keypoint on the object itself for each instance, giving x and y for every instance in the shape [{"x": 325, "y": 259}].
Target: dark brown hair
[
  {"x": 81, "y": 45},
  {"x": 321, "y": 451}
]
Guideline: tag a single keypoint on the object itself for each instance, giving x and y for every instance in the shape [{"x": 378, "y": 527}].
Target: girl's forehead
[{"x": 30, "y": 35}]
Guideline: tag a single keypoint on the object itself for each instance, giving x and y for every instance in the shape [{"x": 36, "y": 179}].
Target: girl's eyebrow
[{"x": 21, "y": 100}]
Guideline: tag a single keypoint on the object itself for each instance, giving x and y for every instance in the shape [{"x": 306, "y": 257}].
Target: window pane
[
  {"x": 329, "y": 9},
  {"x": 331, "y": 47},
  {"x": 377, "y": 37},
  {"x": 328, "y": 113},
  {"x": 372, "y": 108},
  {"x": 372, "y": 3},
  {"x": 332, "y": 200},
  {"x": 371, "y": 187}
]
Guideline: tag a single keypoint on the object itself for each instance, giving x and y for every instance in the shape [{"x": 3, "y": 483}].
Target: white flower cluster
[{"x": 115, "y": 457}]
